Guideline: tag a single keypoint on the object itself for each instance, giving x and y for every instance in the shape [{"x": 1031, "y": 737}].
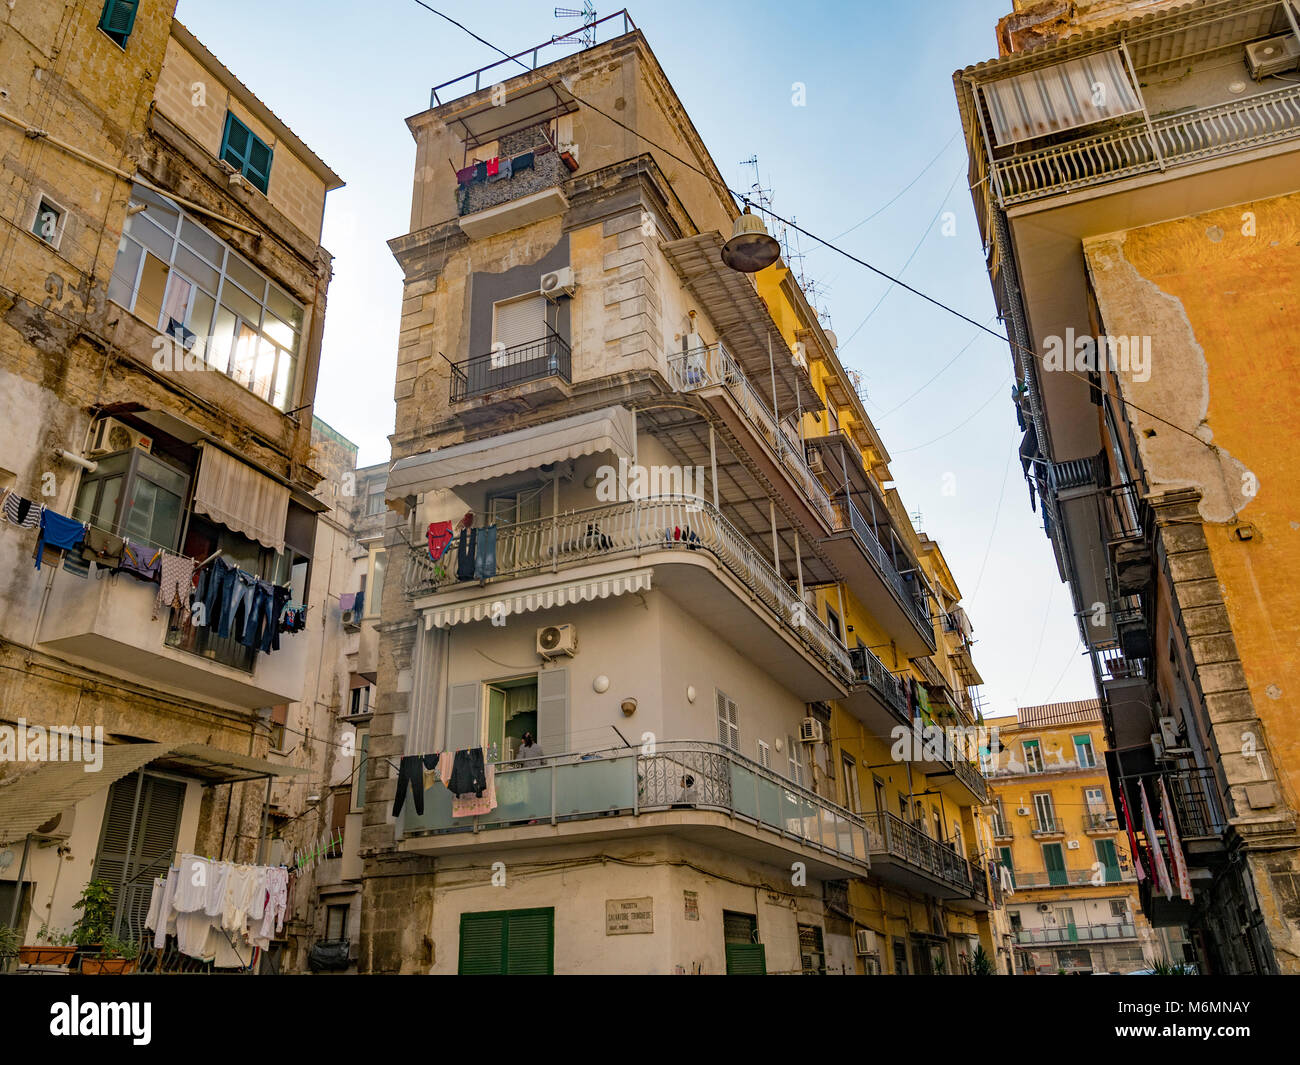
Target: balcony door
[
  {"x": 1054, "y": 861},
  {"x": 137, "y": 842},
  {"x": 1095, "y": 801},
  {"x": 1044, "y": 812},
  {"x": 516, "y": 513},
  {"x": 511, "y": 711},
  {"x": 1108, "y": 859}
]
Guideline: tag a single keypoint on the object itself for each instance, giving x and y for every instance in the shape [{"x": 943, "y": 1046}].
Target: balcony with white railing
[
  {"x": 713, "y": 366},
  {"x": 1083, "y": 933},
  {"x": 698, "y": 787},
  {"x": 1174, "y": 140},
  {"x": 657, "y": 525}
]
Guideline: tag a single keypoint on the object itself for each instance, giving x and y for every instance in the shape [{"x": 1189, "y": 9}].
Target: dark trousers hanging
[{"x": 410, "y": 774}]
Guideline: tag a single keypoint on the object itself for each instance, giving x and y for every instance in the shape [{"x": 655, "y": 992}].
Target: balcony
[
  {"x": 1102, "y": 822},
  {"x": 858, "y": 551},
  {"x": 637, "y": 529},
  {"x": 1174, "y": 141},
  {"x": 1077, "y": 934},
  {"x": 1002, "y": 830},
  {"x": 877, "y": 697},
  {"x": 1047, "y": 828},
  {"x": 107, "y": 622},
  {"x": 904, "y": 855},
  {"x": 702, "y": 790},
  {"x": 714, "y": 368},
  {"x": 1072, "y": 878},
  {"x": 549, "y": 357}
]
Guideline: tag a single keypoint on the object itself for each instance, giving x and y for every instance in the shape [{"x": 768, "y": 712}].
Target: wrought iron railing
[
  {"x": 1073, "y": 877},
  {"x": 849, "y": 518},
  {"x": 1259, "y": 120},
  {"x": 1099, "y": 821},
  {"x": 1047, "y": 826},
  {"x": 713, "y": 365},
  {"x": 970, "y": 776},
  {"x": 657, "y": 523},
  {"x": 676, "y": 775},
  {"x": 869, "y": 670},
  {"x": 891, "y": 835},
  {"x": 547, "y": 357}
]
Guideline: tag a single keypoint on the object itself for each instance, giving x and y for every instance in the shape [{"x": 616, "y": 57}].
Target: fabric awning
[
  {"x": 552, "y": 595},
  {"x": 1066, "y": 95},
  {"x": 235, "y": 494},
  {"x": 609, "y": 429},
  {"x": 223, "y": 767},
  {"x": 35, "y": 797}
]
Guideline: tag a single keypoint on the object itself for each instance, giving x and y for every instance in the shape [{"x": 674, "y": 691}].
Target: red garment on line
[{"x": 439, "y": 537}]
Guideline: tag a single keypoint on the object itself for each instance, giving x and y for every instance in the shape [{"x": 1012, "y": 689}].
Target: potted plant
[
  {"x": 57, "y": 949},
  {"x": 116, "y": 956},
  {"x": 96, "y": 921},
  {"x": 10, "y": 943},
  {"x": 981, "y": 964}
]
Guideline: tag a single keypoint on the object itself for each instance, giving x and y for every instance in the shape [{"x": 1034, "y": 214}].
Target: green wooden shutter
[
  {"x": 553, "y": 711},
  {"x": 1109, "y": 857},
  {"x": 507, "y": 942},
  {"x": 746, "y": 959},
  {"x": 482, "y": 944},
  {"x": 118, "y": 19},
  {"x": 257, "y": 167},
  {"x": 1054, "y": 859}
]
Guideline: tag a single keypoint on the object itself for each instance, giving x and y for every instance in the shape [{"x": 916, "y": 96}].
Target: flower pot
[
  {"x": 106, "y": 966},
  {"x": 41, "y": 955}
]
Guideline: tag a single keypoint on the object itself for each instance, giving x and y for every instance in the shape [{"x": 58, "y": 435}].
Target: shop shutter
[
  {"x": 518, "y": 322},
  {"x": 746, "y": 959}
]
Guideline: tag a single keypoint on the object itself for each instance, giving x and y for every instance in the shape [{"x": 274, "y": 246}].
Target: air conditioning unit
[
  {"x": 1071, "y": 844},
  {"x": 815, "y": 462},
  {"x": 1023, "y": 811},
  {"x": 1158, "y": 745},
  {"x": 58, "y": 827},
  {"x": 110, "y": 435},
  {"x": 865, "y": 941},
  {"x": 1044, "y": 907},
  {"x": 1272, "y": 56},
  {"x": 810, "y": 730},
  {"x": 557, "y": 283},
  {"x": 352, "y": 620},
  {"x": 556, "y": 640},
  {"x": 1170, "y": 736}
]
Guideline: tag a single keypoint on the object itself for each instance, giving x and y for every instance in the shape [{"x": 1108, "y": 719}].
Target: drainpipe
[{"x": 18, "y": 885}]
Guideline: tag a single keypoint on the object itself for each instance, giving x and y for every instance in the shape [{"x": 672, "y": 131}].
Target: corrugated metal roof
[{"x": 1058, "y": 713}]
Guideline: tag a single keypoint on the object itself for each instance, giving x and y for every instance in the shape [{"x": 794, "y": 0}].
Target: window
[
  {"x": 375, "y": 500},
  {"x": 1004, "y": 859},
  {"x": 513, "y": 508},
  {"x": 794, "y": 760},
  {"x": 746, "y": 956},
  {"x": 999, "y": 818},
  {"x": 336, "y": 922},
  {"x": 279, "y": 718},
  {"x": 728, "y": 725},
  {"x": 118, "y": 20},
  {"x": 764, "y": 755},
  {"x": 900, "y": 957},
  {"x": 1083, "y": 752},
  {"x": 507, "y": 943},
  {"x": 180, "y": 278},
  {"x": 375, "y": 581},
  {"x": 878, "y": 790},
  {"x": 135, "y": 494},
  {"x": 1119, "y": 908},
  {"x": 1044, "y": 811},
  {"x": 512, "y": 708},
  {"x": 246, "y": 152},
  {"x": 48, "y": 222},
  {"x": 516, "y": 323},
  {"x": 852, "y": 797},
  {"x": 812, "y": 952},
  {"x": 1033, "y": 756},
  {"x": 359, "y": 752},
  {"x": 359, "y": 701},
  {"x": 833, "y": 623}
]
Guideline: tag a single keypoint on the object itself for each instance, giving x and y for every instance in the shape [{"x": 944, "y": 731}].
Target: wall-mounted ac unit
[
  {"x": 1071, "y": 844},
  {"x": 557, "y": 283},
  {"x": 815, "y": 462},
  {"x": 556, "y": 640},
  {"x": 110, "y": 435},
  {"x": 58, "y": 827},
  {"x": 352, "y": 620},
  {"x": 865, "y": 942},
  {"x": 1171, "y": 736},
  {"x": 1043, "y": 907},
  {"x": 1023, "y": 811},
  {"x": 810, "y": 730},
  {"x": 1272, "y": 56}
]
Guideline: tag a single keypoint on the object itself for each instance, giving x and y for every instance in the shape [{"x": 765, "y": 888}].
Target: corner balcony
[
  {"x": 700, "y": 790},
  {"x": 1174, "y": 141},
  {"x": 532, "y": 553},
  {"x": 904, "y": 855},
  {"x": 1097, "y": 933},
  {"x": 713, "y": 372},
  {"x": 547, "y": 360},
  {"x": 106, "y": 622}
]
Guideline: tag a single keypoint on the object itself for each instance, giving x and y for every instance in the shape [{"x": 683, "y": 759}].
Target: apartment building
[
  {"x": 1136, "y": 178},
  {"x": 637, "y": 510},
  {"x": 162, "y": 296},
  {"x": 1069, "y": 883}
]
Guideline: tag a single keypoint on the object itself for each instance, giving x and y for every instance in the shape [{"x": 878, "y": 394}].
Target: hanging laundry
[
  {"x": 485, "y": 554},
  {"x": 480, "y": 171},
  {"x": 58, "y": 532},
  {"x": 1132, "y": 837},
  {"x": 140, "y": 561},
  {"x": 465, "y": 176},
  {"x": 1182, "y": 881},
  {"x": 1159, "y": 871},
  {"x": 175, "y": 582},
  {"x": 503, "y": 170},
  {"x": 493, "y": 167},
  {"x": 277, "y": 901},
  {"x": 347, "y": 600},
  {"x": 522, "y": 162},
  {"x": 467, "y": 773},
  {"x": 439, "y": 536},
  {"x": 485, "y": 803},
  {"x": 102, "y": 547},
  {"x": 465, "y": 554},
  {"x": 280, "y": 594},
  {"x": 410, "y": 775},
  {"x": 21, "y": 512}
]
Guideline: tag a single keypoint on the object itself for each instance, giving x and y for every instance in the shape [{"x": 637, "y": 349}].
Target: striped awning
[
  {"x": 1063, "y": 96},
  {"x": 544, "y": 598}
]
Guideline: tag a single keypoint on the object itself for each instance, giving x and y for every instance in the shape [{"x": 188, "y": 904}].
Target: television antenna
[{"x": 586, "y": 36}]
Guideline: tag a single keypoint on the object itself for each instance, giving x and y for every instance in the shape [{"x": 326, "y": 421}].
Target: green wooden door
[
  {"x": 507, "y": 943},
  {"x": 744, "y": 956},
  {"x": 1054, "y": 859},
  {"x": 1004, "y": 857},
  {"x": 1109, "y": 859}
]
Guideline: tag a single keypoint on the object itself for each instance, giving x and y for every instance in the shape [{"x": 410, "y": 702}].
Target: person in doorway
[{"x": 529, "y": 751}]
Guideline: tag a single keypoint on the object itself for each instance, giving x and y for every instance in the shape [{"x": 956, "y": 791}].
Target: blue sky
[{"x": 879, "y": 107}]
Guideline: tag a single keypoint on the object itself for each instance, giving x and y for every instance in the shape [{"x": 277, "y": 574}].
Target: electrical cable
[{"x": 905, "y": 188}]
